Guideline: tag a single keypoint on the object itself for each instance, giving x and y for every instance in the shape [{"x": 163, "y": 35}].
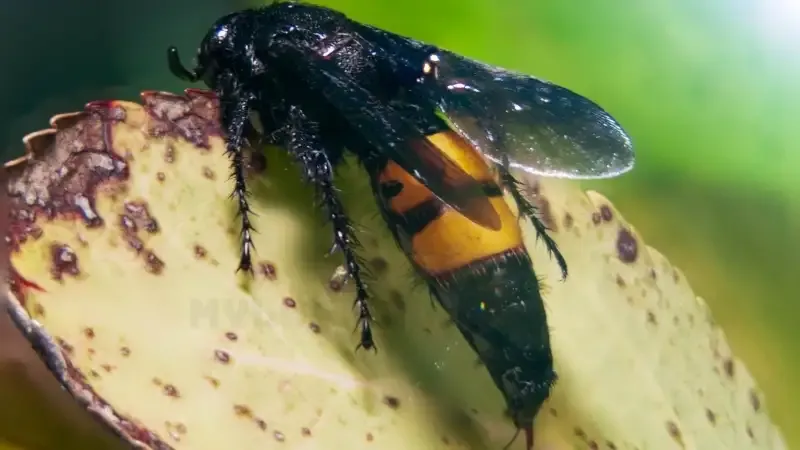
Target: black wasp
[{"x": 321, "y": 84}]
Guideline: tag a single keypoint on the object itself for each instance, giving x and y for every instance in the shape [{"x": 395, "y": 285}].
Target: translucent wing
[{"x": 539, "y": 127}]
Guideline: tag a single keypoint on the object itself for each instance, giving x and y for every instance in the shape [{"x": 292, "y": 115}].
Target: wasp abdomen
[
  {"x": 499, "y": 310},
  {"x": 438, "y": 238}
]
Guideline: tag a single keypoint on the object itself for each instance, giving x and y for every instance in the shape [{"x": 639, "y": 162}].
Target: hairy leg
[
  {"x": 526, "y": 209},
  {"x": 304, "y": 143},
  {"x": 235, "y": 120}
]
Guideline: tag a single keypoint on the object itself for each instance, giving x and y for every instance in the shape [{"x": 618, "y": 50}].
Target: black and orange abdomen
[
  {"x": 475, "y": 264},
  {"x": 435, "y": 236},
  {"x": 471, "y": 253}
]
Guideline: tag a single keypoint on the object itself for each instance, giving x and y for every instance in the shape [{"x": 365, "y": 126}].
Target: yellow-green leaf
[{"x": 144, "y": 320}]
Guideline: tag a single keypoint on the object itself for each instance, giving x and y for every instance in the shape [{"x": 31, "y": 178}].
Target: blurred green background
[{"x": 708, "y": 90}]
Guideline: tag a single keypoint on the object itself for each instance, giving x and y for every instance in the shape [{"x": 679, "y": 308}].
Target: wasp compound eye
[{"x": 177, "y": 68}]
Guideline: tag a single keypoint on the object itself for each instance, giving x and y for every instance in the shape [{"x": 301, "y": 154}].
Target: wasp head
[{"x": 224, "y": 49}]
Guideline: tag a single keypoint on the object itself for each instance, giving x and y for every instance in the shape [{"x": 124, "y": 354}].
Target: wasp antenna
[
  {"x": 528, "y": 437},
  {"x": 177, "y": 68},
  {"x": 513, "y": 438}
]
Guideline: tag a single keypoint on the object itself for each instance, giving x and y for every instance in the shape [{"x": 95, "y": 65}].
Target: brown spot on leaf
[
  {"x": 750, "y": 432},
  {"x": 242, "y": 411},
  {"x": 728, "y": 366},
  {"x": 611, "y": 445},
  {"x": 107, "y": 367},
  {"x": 268, "y": 270},
  {"x": 370, "y": 437},
  {"x": 208, "y": 173},
  {"x": 569, "y": 221},
  {"x": 125, "y": 351},
  {"x": 289, "y": 302},
  {"x": 231, "y": 336},
  {"x": 171, "y": 391},
  {"x": 391, "y": 401},
  {"x": 153, "y": 264},
  {"x": 397, "y": 300},
  {"x": 222, "y": 356},
  {"x": 593, "y": 445},
  {"x": 88, "y": 332},
  {"x": 675, "y": 433},
  {"x": 134, "y": 243},
  {"x": 127, "y": 223},
  {"x": 213, "y": 381},
  {"x": 620, "y": 281},
  {"x": 755, "y": 402},
  {"x": 140, "y": 213},
  {"x": 63, "y": 260},
  {"x": 280, "y": 437},
  {"x": 580, "y": 433},
  {"x": 260, "y": 423},
  {"x": 313, "y": 326},
  {"x": 651, "y": 318},
  {"x": 193, "y": 116},
  {"x": 596, "y": 218},
  {"x": 305, "y": 431},
  {"x": 160, "y": 176},
  {"x": 379, "y": 265},
  {"x": 605, "y": 213},
  {"x": 627, "y": 247},
  {"x": 711, "y": 416},
  {"x": 199, "y": 252}
]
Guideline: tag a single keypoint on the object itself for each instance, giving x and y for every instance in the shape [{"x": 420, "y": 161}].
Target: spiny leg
[
  {"x": 305, "y": 145},
  {"x": 235, "y": 118},
  {"x": 529, "y": 210},
  {"x": 343, "y": 240}
]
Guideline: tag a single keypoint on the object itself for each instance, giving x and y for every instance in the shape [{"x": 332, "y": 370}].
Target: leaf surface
[{"x": 124, "y": 244}]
